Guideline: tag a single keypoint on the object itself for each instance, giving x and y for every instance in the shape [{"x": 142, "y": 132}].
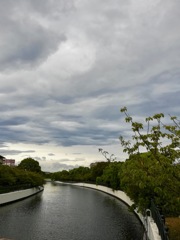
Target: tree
[
  {"x": 151, "y": 137},
  {"x": 17, "y": 178},
  {"x": 156, "y": 172},
  {"x": 111, "y": 176},
  {"x": 76, "y": 174},
  {"x": 7, "y": 176},
  {"x": 30, "y": 164},
  {"x": 79, "y": 174},
  {"x": 97, "y": 170}
]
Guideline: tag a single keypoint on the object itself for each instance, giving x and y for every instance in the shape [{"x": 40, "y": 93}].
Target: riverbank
[
  {"x": 10, "y": 197},
  {"x": 149, "y": 225}
]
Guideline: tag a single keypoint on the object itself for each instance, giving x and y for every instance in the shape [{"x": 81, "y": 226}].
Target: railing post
[{"x": 159, "y": 220}]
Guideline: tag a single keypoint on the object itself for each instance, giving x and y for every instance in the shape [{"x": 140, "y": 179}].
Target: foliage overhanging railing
[{"x": 159, "y": 220}]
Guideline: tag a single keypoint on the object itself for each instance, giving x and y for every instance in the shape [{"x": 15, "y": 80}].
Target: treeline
[
  {"x": 104, "y": 173},
  {"x": 15, "y": 178}
]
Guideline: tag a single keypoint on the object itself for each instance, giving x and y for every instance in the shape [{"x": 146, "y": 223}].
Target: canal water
[{"x": 66, "y": 212}]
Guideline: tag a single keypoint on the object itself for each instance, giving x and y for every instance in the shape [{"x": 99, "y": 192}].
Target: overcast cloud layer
[{"x": 67, "y": 67}]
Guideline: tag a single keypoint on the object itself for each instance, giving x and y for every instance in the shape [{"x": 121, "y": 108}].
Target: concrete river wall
[{"x": 18, "y": 195}]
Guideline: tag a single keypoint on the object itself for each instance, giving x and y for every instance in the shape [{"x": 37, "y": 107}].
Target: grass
[{"x": 173, "y": 223}]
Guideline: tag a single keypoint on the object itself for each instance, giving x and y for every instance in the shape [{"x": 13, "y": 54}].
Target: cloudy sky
[{"x": 68, "y": 66}]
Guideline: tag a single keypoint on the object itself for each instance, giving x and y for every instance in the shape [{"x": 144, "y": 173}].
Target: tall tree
[
  {"x": 157, "y": 137},
  {"x": 156, "y": 172},
  {"x": 30, "y": 164}
]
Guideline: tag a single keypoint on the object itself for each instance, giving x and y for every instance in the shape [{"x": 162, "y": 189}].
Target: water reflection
[{"x": 69, "y": 213}]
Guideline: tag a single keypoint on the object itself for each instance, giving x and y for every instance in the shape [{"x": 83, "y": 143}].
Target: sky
[{"x": 67, "y": 67}]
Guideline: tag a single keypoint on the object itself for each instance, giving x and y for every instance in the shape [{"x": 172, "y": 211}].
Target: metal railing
[{"x": 159, "y": 219}]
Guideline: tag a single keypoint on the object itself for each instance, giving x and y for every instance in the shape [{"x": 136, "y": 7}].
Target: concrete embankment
[
  {"x": 19, "y": 195},
  {"x": 149, "y": 225}
]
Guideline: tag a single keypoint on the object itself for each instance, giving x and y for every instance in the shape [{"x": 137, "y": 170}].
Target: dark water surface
[{"x": 65, "y": 212}]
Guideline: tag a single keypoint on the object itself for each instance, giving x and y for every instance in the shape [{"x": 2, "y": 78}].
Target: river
[{"x": 66, "y": 212}]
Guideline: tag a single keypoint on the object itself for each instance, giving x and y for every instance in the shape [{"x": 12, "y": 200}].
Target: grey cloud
[
  {"x": 40, "y": 158},
  {"x": 88, "y": 125},
  {"x": 31, "y": 49},
  {"x": 15, "y": 152},
  {"x": 13, "y": 121},
  {"x": 51, "y": 7},
  {"x": 84, "y": 130},
  {"x": 24, "y": 42},
  {"x": 79, "y": 159},
  {"x": 3, "y": 145},
  {"x": 72, "y": 160},
  {"x": 51, "y": 154}
]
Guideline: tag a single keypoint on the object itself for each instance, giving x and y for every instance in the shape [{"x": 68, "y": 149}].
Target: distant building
[{"x": 9, "y": 162}]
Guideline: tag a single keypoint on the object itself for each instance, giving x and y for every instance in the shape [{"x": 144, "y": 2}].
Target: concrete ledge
[{"x": 19, "y": 195}]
